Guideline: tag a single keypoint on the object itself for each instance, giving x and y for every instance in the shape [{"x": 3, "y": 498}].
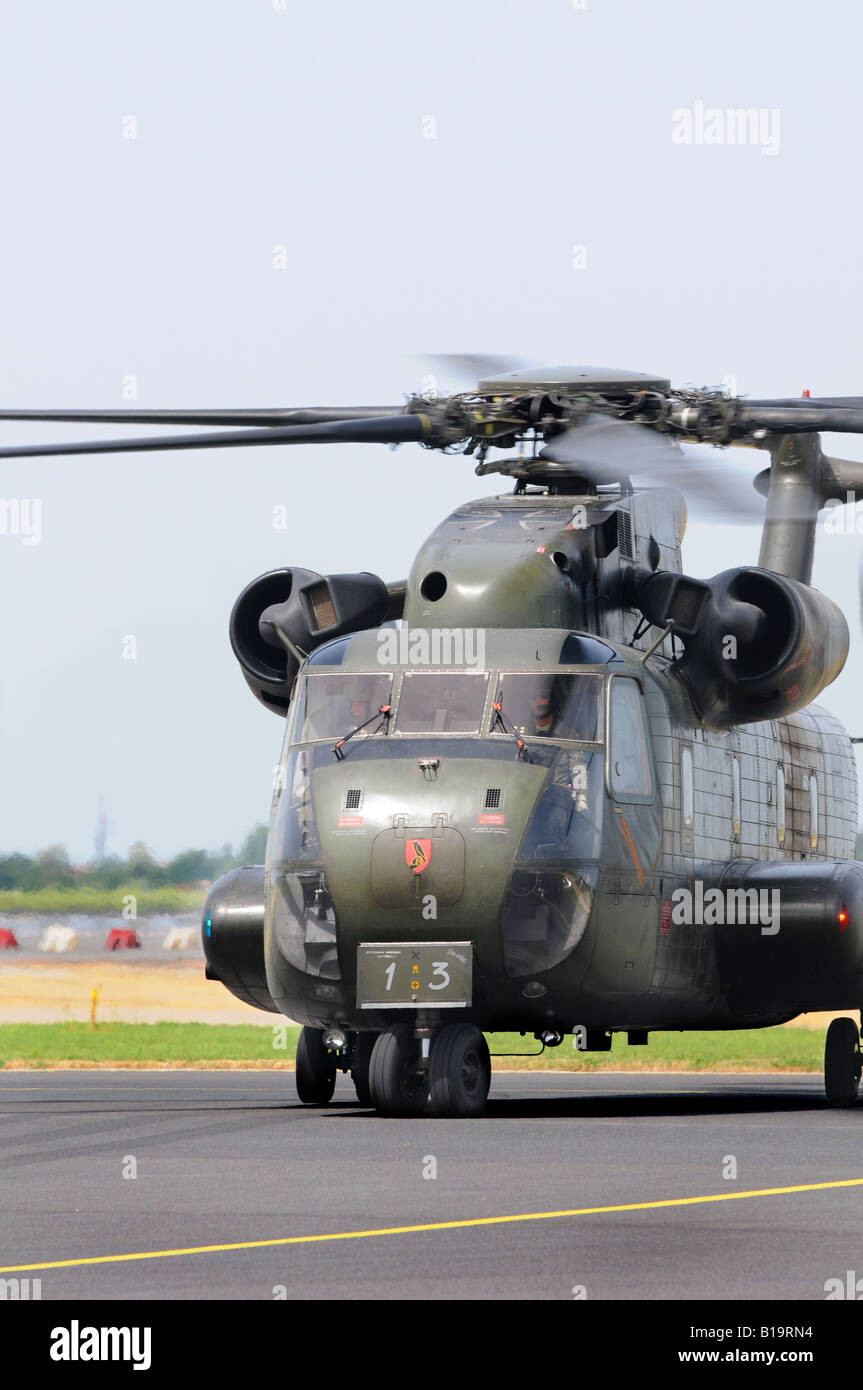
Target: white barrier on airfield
[
  {"x": 58, "y": 938},
  {"x": 179, "y": 939}
]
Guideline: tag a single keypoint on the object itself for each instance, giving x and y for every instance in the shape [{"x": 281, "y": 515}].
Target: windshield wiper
[
  {"x": 385, "y": 711},
  {"x": 499, "y": 719}
]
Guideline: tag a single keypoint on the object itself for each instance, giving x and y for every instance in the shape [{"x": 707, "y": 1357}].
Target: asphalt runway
[{"x": 311, "y": 1197}]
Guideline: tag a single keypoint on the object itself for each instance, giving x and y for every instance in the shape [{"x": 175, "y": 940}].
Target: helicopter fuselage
[
  {"x": 510, "y": 808},
  {"x": 654, "y": 875}
]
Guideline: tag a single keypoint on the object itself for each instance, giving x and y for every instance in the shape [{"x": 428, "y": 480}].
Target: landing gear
[
  {"x": 316, "y": 1068},
  {"x": 455, "y": 1079},
  {"x": 398, "y": 1084},
  {"x": 360, "y": 1062},
  {"x": 842, "y": 1062},
  {"x": 459, "y": 1071}
]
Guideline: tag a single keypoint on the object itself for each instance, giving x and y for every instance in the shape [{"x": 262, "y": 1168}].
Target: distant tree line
[{"x": 52, "y": 868}]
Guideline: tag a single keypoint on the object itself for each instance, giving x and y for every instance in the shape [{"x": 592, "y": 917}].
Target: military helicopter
[{"x": 549, "y": 783}]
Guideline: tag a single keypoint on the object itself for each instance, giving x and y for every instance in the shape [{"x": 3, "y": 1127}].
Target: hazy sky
[{"x": 261, "y": 125}]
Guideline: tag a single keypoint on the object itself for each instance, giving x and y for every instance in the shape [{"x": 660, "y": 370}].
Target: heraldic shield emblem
[{"x": 418, "y": 854}]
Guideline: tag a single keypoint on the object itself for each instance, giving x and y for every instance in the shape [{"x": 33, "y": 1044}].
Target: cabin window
[
  {"x": 735, "y": 798},
  {"x": 630, "y": 766},
  {"x": 813, "y": 811},
  {"x": 687, "y": 788},
  {"x": 780, "y": 805}
]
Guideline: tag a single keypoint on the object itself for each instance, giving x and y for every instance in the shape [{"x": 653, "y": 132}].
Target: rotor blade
[
  {"x": 465, "y": 370},
  {"x": 312, "y": 416},
  {"x": 399, "y": 429},
  {"x": 802, "y": 418},
  {"x": 856, "y": 402},
  {"x": 608, "y": 450}
]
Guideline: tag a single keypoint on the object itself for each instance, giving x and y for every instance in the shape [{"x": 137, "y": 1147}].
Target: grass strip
[
  {"x": 102, "y": 901},
  {"x": 189, "y": 1044}
]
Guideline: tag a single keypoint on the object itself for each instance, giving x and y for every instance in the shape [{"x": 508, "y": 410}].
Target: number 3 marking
[{"x": 440, "y": 968}]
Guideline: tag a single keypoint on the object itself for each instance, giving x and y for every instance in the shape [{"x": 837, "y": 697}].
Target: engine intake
[
  {"x": 283, "y": 615},
  {"x": 757, "y": 644}
]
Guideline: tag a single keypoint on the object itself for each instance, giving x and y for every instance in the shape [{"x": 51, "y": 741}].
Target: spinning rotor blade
[
  {"x": 464, "y": 370},
  {"x": 395, "y": 429},
  {"x": 607, "y": 450},
  {"x": 310, "y": 416}
]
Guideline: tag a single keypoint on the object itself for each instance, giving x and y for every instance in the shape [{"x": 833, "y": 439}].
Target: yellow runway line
[{"x": 435, "y": 1226}]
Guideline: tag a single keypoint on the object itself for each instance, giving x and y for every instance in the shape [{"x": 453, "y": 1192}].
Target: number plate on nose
[{"x": 430, "y": 975}]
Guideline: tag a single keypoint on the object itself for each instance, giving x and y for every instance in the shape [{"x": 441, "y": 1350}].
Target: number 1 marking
[{"x": 390, "y": 972}]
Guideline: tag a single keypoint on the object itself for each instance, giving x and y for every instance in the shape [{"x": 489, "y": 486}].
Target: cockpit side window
[
  {"x": 329, "y": 706},
  {"x": 630, "y": 765},
  {"x": 551, "y": 706}
]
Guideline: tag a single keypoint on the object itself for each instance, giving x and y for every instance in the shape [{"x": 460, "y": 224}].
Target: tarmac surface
[{"x": 624, "y": 1168}]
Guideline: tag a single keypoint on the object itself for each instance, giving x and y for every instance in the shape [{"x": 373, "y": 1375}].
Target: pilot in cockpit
[
  {"x": 360, "y": 712},
  {"x": 542, "y": 720}
]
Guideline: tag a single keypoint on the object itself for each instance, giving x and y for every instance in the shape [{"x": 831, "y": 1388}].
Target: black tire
[
  {"x": 316, "y": 1068},
  {"x": 396, "y": 1083},
  {"x": 360, "y": 1063},
  {"x": 842, "y": 1062},
  {"x": 459, "y": 1072}
]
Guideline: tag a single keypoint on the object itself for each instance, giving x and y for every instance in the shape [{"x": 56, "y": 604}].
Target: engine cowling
[
  {"x": 232, "y": 933},
  {"x": 797, "y": 945},
  {"x": 283, "y": 615},
  {"x": 757, "y": 644}
]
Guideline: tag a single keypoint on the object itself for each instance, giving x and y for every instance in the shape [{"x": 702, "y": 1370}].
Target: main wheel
[
  {"x": 842, "y": 1062},
  {"x": 397, "y": 1084},
  {"x": 316, "y": 1068},
  {"x": 360, "y": 1063},
  {"x": 459, "y": 1071}
]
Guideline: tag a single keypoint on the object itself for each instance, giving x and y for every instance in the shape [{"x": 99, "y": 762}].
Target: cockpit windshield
[
  {"x": 550, "y": 706},
  {"x": 330, "y": 706},
  {"x": 441, "y": 703}
]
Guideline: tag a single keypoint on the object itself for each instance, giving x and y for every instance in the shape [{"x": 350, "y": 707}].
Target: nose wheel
[
  {"x": 842, "y": 1062},
  {"x": 451, "y": 1081},
  {"x": 398, "y": 1082}
]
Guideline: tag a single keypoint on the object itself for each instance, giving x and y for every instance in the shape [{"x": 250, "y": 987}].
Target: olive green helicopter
[{"x": 548, "y": 784}]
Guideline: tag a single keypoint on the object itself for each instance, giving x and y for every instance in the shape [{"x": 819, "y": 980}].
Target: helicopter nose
[
  {"x": 426, "y": 850},
  {"x": 435, "y": 865}
]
